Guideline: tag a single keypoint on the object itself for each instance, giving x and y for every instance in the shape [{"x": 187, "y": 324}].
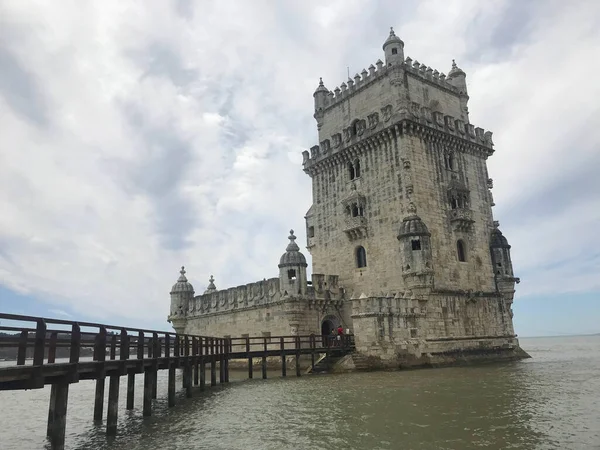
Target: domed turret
[
  {"x": 458, "y": 79},
  {"x": 292, "y": 269},
  {"x": 394, "y": 49},
  {"x": 500, "y": 251},
  {"x": 320, "y": 96},
  {"x": 182, "y": 293}
]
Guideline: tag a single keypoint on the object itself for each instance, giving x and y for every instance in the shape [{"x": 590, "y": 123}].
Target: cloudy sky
[{"x": 139, "y": 136}]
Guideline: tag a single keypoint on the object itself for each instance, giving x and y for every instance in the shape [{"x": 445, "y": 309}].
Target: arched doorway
[{"x": 327, "y": 326}]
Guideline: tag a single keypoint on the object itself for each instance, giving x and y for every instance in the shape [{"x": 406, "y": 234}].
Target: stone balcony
[
  {"x": 355, "y": 227},
  {"x": 461, "y": 219}
]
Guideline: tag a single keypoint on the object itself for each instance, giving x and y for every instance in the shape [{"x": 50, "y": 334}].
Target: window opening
[
  {"x": 416, "y": 244},
  {"x": 460, "y": 248},
  {"x": 351, "y": 171},
  {"x": 394, "y": 51},
  {"x": 354, "y": 210},
  {"x": 357, "y": 168},
  {"x": 292, "y": 274},
  {"x": 311, "y": 232},
  {"x": 361, "y": 257}
]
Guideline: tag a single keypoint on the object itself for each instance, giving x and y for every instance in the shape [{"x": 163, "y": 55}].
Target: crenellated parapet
[
  {"x": 250, "y": 295},
  {"x": 385, "y": 124},
  {"x": 361, "y": 81}
]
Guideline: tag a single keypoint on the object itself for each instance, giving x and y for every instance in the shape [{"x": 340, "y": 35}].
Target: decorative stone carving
[
  {"x": 426, "y": 113},
  {"x": 314, "y": 151},
  {"x": 490, "y": 183},
  {"x": 415, "y": 110},
  {"x": 373, "y": 120},
  {"x": 325, "y": 146},
  {"x": 487, "y": 138},
  {"x": 337, "y": 140},
  {"x": 460, "y": 126},
  {"x": 439, "y": 118},
  {"x": 386, "y": 112},
  {"x": 449, "y": 121},
  {"x": 305, "y": 156},
  {"x": 360, "y": 127},
  {"x": 347, "y": 134}
]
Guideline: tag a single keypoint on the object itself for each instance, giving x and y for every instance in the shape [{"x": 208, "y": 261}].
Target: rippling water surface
[{"x": 549, "y": 402}]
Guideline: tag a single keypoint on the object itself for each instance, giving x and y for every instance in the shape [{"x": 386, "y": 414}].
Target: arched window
[
  {"x": 357, "y": 168},
  {"x": 351, "y": 171},
  {"x": 292, "y": 274},
  {"x": 460, "y": 250},
  {"x": 361, "y": 257},
  {"x": 453, "y": 202},
  {"x": 355, "y": 210}
]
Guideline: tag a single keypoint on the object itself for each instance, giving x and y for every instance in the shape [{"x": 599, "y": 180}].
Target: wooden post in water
[
  {"x": 59, "y": 419},
  {"x": 148, "y": 380},
  {"x": 203, "y": 351},
  {"x": 171, "y": 380},
  {"x": 100, "y": 355},
  {"x": 221, "y": 350},
  {"x": 249, "y": 357},
  {"x": 155, "y": 356},
  {"x": 195, "y": 360},
  {"x": 297, "y": 356},
  {"x": 113, "y": 405},
  {"x": 51, "y": 411},
  {"x": 213, "y": 362},
  {"x": 312, "y": 351},
  {"x": 187, "y": 369},
  {"x": 282, "y": 348},
  {"x": 264, "y": 359},
  {"x": 227, "y": 351}
]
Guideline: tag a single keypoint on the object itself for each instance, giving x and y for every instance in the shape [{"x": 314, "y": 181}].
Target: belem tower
[{"x": 405, "y": 250}]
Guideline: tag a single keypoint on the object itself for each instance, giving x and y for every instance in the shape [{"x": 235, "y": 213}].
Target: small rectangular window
[
  {"x": 311, "y": 232},
  {"x": 292, "y": 274},
  {"x": 416, "y": 244},
  {"x": 413, "y": 333},
  {"x": 394, "y": 51}
]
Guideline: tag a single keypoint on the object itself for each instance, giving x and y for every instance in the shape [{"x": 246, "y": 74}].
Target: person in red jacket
[{"x": 340, "y": 333}]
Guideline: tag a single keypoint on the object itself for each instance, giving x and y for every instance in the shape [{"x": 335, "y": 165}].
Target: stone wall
[{"x": 395, "y": 330}]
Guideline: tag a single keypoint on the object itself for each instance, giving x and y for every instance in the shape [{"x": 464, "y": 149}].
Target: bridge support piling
[
  {"x": 148, "y": 381},
  {"x": 99, "y": 398},
  {"x": 226, "y": 358},
  {"x": 213, "y": 362},
  {"x": 312, "y": 352},
  {"x": 283, "y": 361},
  {"x": 51, "y": 408},
  {"x": 171, "y": 388},
  {"x": 264, "y": 359},
  {"x": 59, "y": 422},
  {"x": 249, "y": 358},
  {"x": 130, "y": 389},
  {"x": 221, "y": 350},
  {"x": 202, "y": 373},
  {"x": 297, "y": 356},
  {"x": 112, "y": 411}
]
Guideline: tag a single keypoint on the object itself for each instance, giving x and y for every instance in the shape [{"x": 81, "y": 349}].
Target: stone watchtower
[
  {"x": 292, "y": 269},
  {"x": 393, "y": 140},
  {"x": 182, "y": 295}
]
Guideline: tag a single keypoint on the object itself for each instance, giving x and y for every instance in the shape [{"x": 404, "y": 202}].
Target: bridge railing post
[
  {"x": 203, "y": 345},
  {"x": 100, "y": 356},
  {"x": 312, "y": 351},
  {"x": 40, "y": 343},
  {"x": 249, "y": 357},
  {"x": 264, "y": 359},
  {"x": 22, "y": 351},
  {"x": 298, "y": 356},
  {"x": 52, "y": 347}
]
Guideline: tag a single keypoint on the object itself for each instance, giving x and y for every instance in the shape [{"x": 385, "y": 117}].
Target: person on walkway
[
  {"x": 333, "y": 337},
  {"x": 340, "y": 335}
]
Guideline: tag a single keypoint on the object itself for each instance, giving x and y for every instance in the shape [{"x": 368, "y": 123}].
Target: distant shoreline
[{"x": 560, "y": 336}]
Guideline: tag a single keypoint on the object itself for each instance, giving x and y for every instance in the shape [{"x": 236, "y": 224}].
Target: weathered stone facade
[{"x": 401, "y": 215}]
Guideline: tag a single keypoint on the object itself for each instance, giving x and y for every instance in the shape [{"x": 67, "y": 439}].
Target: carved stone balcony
[
  {"x": 355, "y": 227},
  {"x": 461, "y": 219}
]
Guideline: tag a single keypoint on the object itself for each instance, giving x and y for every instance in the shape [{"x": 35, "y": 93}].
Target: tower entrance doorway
[{"x": 327, "y": 326}]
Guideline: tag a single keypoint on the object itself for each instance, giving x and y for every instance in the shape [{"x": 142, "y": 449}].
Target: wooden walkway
[{"x": 93, "y": 351}]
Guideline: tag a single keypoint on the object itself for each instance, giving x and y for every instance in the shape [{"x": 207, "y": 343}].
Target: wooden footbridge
[{"x": 60, "y": 352}]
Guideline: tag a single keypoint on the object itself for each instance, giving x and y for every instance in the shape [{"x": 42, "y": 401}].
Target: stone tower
[
  {"x": 292, "y": 269},
  {"x": 394, "y": 139}
]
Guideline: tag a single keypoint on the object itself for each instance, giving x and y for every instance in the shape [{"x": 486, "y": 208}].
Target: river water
[{"x": 549, "y": 402}]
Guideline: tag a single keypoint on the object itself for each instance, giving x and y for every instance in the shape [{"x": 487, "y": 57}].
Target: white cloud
[{"x": 169, "y": 140}]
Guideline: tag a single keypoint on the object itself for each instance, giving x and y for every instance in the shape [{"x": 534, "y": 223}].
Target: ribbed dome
[
  {"x": 292, "y": 255},
  {"x": 413, "y": 226},
  {"x": 392, "y": 39},
  {"x": 455, "y": 70},
  {"x": 497, "y": 239},
  {"x": 182, "y": 284}
]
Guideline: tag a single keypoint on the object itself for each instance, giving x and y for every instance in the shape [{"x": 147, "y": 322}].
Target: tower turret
[
  {"x": 503, "y": 269},
  {"x": 292, "y": 269},
  {"x": 394, "y": 49},
  {"x": 182, "y": 293},
  {"x": 415, "y": 243},
  {"x": 458, "y": 78}
]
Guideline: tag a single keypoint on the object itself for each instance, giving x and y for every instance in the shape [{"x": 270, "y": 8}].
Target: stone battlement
[
  {"x": 371, "y": 126},
  {"x": 252, "y": 294},
  {"x": 360, "y": 81}
]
